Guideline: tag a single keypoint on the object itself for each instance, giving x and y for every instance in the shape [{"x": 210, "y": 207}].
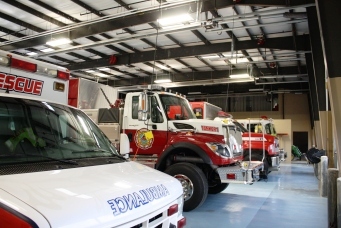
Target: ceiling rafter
[
  {"x": 276, "y": 43},
  {"x": 88, "y": 8},
  {"x": 185, "y": 64},
  {"x": 234, "y": 39},
  {"x": 250, "y": 35},
  {"x": 21, "y": 23},
  {"x": 205, "y": 62},
  {"x": 294, "y": 34},
  {"x": 34, "y": 12},
  {"x": 11, "y": 32},
  {"x": 54, "y": 10},
  {"x": 129, "y": 47},
  {"x": 171, "y": 68},
  {"x": 147, "y": 17}
]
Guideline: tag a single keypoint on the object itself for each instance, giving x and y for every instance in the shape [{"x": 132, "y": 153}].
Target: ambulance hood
[{"x": 95, "y": 196}]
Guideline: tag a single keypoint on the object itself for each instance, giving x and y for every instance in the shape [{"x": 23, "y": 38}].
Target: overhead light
[
  {"x": 31, "y": 53},
  {"x": 90, "y": 71},
  {"x": 104, "y": 69},
  {"x": 58, "y": 42},
  {"x": 192, "y": 93},
  {"x": 209, "y": 56},
  {"x": 256, "y": 89},
  {"x": 47, "y": 50},
  {"x": 102, "y": 75},
  {"x": 239, "y": 76},
  {"x": 238, "y": 60},
  {"x": 182, "y": 18},
  {"x": 165, "y": 80}
]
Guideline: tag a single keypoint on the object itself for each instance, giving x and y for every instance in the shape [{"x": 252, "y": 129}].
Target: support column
[
  {"x": 332, "y": 197},
  {"x": 323, "y": 176},
  {"x": 328, "y": 13},
  {"x": 338, "y": 202}
]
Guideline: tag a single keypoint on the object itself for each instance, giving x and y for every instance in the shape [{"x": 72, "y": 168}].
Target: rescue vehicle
[
  {"x": 58, "y": 169},
  {"x": 258, "y": 144},
  {"x": 171, "y": 139}
]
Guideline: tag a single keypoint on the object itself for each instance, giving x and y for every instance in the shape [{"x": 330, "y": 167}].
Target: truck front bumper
[
  {"x": 275, "y": 162},
  {"x": 242, "y": 175}
]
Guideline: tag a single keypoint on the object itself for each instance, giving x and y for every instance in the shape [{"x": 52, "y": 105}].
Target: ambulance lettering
[
  {"x": 209, "y": 128},
  {"x": 20, "y": 84},
  {"x": 127, "y": 202}
]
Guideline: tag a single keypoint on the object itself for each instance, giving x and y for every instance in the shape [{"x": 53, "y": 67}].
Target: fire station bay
[{"x": 170, "y": 114}]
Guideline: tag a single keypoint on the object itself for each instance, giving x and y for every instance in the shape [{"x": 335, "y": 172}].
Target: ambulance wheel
[
  {"x": 256, "y": 157},
  {"x": 218, "y": 188},
  {"x": 193, "y": 181}
]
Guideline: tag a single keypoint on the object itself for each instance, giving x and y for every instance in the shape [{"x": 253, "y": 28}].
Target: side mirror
[
  {"x": 143, "y": 106},
  {"x": 124, "y": 144}
]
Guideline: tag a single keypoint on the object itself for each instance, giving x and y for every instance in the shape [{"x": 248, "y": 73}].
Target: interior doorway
[{"x": 300, "y": 139}]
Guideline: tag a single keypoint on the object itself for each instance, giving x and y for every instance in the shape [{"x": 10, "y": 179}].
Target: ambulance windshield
[
  {"x": 177, "y": 108},
  {"x": 36, "y": 131}
]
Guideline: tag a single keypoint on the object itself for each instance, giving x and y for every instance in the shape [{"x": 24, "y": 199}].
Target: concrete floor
[{"x": 290, "y": 199}]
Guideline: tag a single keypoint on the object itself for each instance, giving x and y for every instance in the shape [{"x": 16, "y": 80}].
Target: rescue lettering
[
  {"x": 209, "y": 128},
  {"x": 20, "y": 84},
  {"x": 133, "y": 200}
]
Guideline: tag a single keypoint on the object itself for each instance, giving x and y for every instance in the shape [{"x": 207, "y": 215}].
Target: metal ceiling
[{"x": 122, "y": 44}]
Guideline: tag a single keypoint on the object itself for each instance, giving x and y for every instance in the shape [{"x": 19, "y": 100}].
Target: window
[{"x": 35, "y": 131}]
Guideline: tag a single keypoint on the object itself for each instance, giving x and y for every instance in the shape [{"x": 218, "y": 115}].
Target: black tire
[
  {"x": 217, "y": 188},
  {"x": 257, "y": 157},
  {"x": 193, "y": 182}
]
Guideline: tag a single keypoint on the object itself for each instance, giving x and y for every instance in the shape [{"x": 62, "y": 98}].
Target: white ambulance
[{"x": 57, "y": 168}]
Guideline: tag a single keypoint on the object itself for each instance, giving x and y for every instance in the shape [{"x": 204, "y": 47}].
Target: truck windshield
[
  {"x": 270, "y": 129},
  {"x": 242, "y": 128},
  {"x": 35, "y": 131},
  {"x": 177, "y": 108}
]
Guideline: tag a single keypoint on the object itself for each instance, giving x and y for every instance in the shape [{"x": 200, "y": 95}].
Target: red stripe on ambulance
[{"x": 21, "y": 84}]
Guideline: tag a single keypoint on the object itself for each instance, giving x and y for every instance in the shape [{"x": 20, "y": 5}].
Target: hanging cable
[{"x": 156, "y": 38}]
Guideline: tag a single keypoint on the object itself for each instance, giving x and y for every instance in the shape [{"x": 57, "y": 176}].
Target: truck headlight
[{"x": 220, "y": 149}]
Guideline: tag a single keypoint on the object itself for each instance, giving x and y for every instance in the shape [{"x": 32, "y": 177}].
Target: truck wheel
[
  {"x": 256, "y": 157},
  {"x": 217, "y": 188},
  {"x": 193, "y": 181}
]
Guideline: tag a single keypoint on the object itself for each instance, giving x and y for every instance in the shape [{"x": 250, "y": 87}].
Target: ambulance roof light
[
  {"x": 23, "y": 65},
  {"x": 63, "y": 75}
]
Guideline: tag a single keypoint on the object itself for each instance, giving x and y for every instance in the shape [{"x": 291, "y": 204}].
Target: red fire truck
[{"x": 170, "y": 138}]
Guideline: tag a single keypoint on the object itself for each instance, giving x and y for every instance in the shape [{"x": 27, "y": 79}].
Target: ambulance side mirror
[
  {"x": 124, "y": 144},
  {"x": 143, "y": 108}
]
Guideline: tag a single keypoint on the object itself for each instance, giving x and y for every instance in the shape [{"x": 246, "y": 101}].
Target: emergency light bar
[{"x": 34, "y": 66}]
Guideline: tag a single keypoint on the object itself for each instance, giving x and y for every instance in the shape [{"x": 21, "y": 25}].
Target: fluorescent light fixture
[
  {"x": 238, "y": 60},
  {"x": 31, "y": 53},
  {"x": 210, "y": 56},
  {"x": 192, "y": 93},
  {"x": 256, "y": 89},
  {"x": 58, "y": 42},
  {"x": 239, "y": 76},
  {"x": 164, "y": 80},
  {"x": 90, "y": 71},
  {"x": 104, "y": 69},
  {"x": 102, "y": 75},
  {"x": 47, "y": 50},
  {"x": 183, "y": 18}
]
